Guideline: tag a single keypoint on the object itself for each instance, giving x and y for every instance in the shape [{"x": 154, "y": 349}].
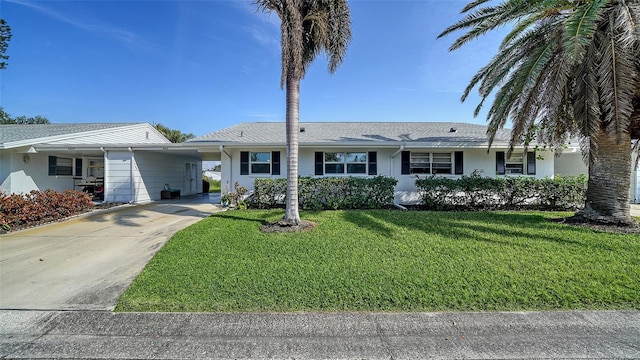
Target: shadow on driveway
[{"x": 87, "y": 262}]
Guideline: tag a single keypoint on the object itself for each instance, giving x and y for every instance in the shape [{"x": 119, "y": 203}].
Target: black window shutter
[
  {"x": 244, "y": 163},
  {"x": 531, "y": 163},
  {"x": 53, "y": 161},
  {"x": 78, "y": 167},
  {"x": 373, "y": 163},
  {"x": 275, "y": 163},
  {"x": 319, "y": 163},
  {"x": 458, "y": 158},
  {"x": 500, "y": 163},
  {"x": 406, "y": 162}
]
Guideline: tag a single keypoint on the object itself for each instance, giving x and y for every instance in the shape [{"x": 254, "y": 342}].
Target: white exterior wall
[
  {"x": 635, "y": 182},
  {"x": 474, "y": 160},
  {"x": 140, "y": 176},
  {"x": 18, "y": 176},
  {"x": 118, "y": 170},
  {"x": 570, "y": 164},
  {"x": 230, "y": 170},
  {"x": 151, "y": 171},
  {"x": 406, "y": 192}
]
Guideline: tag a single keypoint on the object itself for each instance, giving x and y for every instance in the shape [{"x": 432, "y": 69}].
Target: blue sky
[{"x": 200, "y": 66}]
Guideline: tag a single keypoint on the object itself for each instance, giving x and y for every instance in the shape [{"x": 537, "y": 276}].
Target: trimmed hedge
[
  {"x": 475, "y": 192},
  {"x": 327, "y": 193},
  {"x": 41, "y": 206}
]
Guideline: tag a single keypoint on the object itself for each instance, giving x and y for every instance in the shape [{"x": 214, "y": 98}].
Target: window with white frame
[
  {"x": 260, "y": 162},
  {"x": 345, "y": 162},
  {"x": 416, "y": 162},
  {"x": 60, "y": 166},
  {"x": 514, "y": 164},
  {"x": 420, "y": 163},
  {"x": 441, "y": 163}
]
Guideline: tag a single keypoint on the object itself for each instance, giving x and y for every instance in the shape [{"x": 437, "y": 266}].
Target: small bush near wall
[
  {"x": 474, "y": 192},
  {"x": 40, "y": 206},
  {"x": 327, "y": 193}
]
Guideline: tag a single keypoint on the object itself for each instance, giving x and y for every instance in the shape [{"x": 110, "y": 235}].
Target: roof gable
[{"x": 90, "y": 133}]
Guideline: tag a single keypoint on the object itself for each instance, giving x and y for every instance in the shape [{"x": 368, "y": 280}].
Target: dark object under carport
[{"x": 170, "y": 194}]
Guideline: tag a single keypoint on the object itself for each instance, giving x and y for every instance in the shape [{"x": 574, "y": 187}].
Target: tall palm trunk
[
  {"x": 609, "y": 180},
  {"x": 293, "y": 114}
]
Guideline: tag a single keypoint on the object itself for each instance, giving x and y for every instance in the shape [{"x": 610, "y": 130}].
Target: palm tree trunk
[
  {"x": 292, "y": 216},
  {"x": 607, "y": 199}
]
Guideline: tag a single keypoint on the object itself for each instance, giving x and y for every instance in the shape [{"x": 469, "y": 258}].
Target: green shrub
[
  {"x": 509, "y": 193},
  {"x": 327, "y": 193},
  {"x": 41, "y": 206},
  {"x": 214, "y": 185}
]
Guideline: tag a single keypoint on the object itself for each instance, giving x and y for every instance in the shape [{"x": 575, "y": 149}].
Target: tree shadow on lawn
[
  {"x": 485, "y": 226},
  {"x": 240, "y": 215}
]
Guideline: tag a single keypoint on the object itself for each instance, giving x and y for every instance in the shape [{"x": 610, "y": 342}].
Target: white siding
[
  {"x": 135, "y": 134},
  {"x": 153, "y": 170},
  {"x": 118, "y": 171}
]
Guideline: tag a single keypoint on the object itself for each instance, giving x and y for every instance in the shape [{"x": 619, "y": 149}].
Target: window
[
  {"x": 346, "y": 163},
  {"x": 333, "y": 163},
  {"x": 441, "y": 163},
  {"x": 60, "y": 166},
  {"x": 517, "y": 164},
  {"x": 427, "y": 163},
  {"x": 514, "y": 164},
  {"x": 341, "y": 163},
  {"x": 95, "y": 168},
  {"x": 420, "y": 163},
  {"x": 260, "y": 162}
]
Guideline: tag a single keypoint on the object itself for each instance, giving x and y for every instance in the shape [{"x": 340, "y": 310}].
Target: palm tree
[
  {"x": 175, "y": 136},
  {"x": 308, "y": 27},
  {"x": 567, "y": 68}
]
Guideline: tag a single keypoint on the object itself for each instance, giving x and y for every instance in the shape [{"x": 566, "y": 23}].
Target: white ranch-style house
[
  {"x": 401, "y": 150},
  {"x": 133, "y": 162},
  {"x": 114, "y": 161}
]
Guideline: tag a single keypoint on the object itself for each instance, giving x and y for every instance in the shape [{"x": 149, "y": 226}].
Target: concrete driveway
[{"x": 86, "y": 263}]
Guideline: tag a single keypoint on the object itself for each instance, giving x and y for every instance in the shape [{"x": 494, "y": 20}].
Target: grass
[
  {"x": 214, "y": 185},
  {"x": 390, "y": 261}
]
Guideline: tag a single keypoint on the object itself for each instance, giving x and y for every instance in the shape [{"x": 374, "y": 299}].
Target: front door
[{"x": 190, "y": 178}]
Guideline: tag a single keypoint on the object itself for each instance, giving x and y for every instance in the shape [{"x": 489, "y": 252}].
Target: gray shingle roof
[
  {"x": 355, "y": 132},
  {"x": 13, "y": 133}
]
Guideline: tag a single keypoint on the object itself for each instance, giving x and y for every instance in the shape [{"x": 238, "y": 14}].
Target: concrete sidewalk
[
  {"x": 87, "y": 262},
  {"x": 492, "y": 335}
]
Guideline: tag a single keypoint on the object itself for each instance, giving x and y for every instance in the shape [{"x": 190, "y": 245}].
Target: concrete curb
[{"x": 486, "y": 335}]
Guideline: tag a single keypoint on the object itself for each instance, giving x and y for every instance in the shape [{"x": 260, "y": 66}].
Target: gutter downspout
[
  {"x": 105, "y": 180},
  {"x": 398, "y": 152},
  {"x": 230, "y": 167}
]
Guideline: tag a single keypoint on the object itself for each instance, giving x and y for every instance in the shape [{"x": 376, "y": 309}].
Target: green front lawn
[{"x": 390, "y": 261}]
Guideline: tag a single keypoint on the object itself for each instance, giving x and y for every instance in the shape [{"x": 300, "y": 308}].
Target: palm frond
[
  {"x": 472, "y": 5},
  {"x": 581, "y": 26}
]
